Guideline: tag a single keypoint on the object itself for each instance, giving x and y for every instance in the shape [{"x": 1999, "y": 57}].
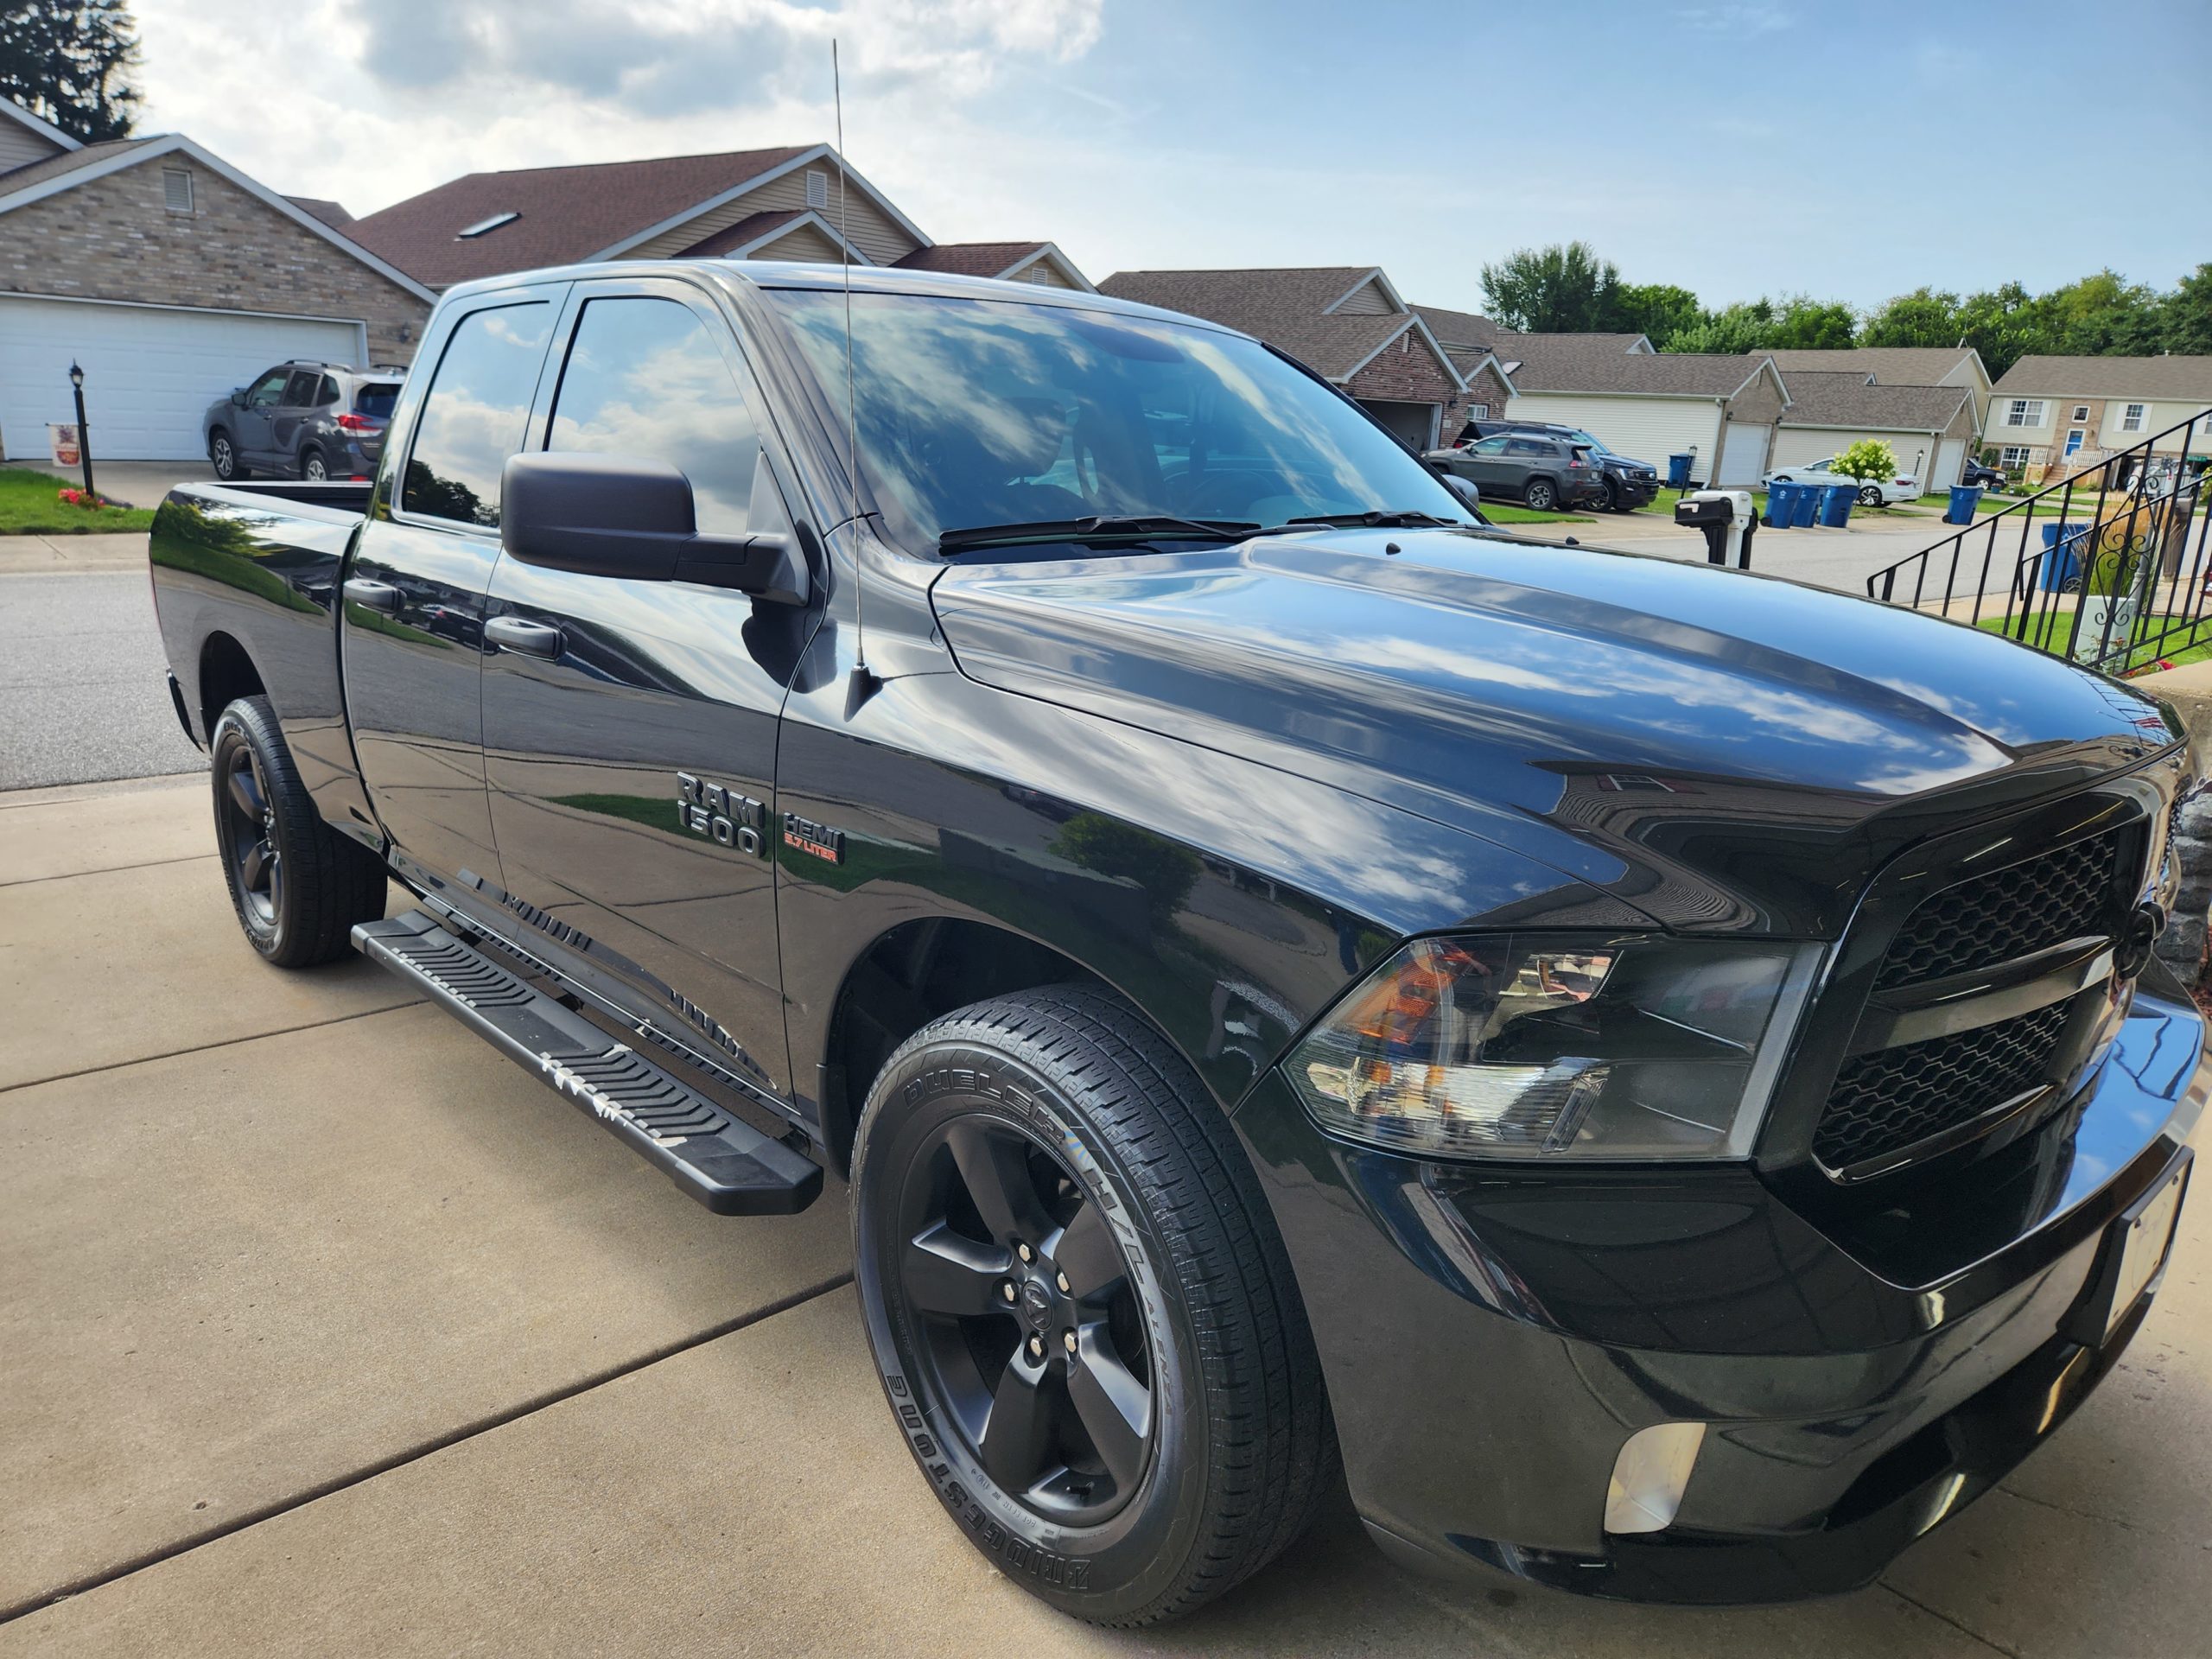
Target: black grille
[
  {"x": 1894, "y": 1098},
  {"x": 2063, "y": 895}
]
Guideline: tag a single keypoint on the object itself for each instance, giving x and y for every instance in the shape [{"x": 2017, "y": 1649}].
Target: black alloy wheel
[
  {"x": 1082, "y": 1312},
  {"x": 1540, "y": 495},
  {"x": 1032, "y": 1341},
  {"x": 249, "y": 837},
  {"x": 297, "y": 885},
  {"x": 1612, "y": 501}
]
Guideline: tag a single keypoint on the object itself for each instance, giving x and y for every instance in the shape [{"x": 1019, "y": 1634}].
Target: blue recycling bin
[
  {"x": 1804, "y": 507},
  {"x": 1778, "y": 498},
  {"x": 1836, "y": 501},
  {"x": 1678, "y": 472},
  {"x": 2062, "y": 568},
  {"x": 1966, "y": 501}
]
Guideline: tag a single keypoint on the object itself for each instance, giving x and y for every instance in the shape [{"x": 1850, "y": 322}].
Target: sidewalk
[{"x": 39, "y": 555}]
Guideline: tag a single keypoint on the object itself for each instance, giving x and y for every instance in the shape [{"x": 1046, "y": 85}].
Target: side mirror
[
  {"x": 237, "y": 396},
  {"x": 633, "y": 517},
  {"x": 1464, "y": 489}
]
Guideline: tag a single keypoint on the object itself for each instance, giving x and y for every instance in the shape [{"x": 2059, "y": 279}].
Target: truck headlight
[{"x": 1537, "y": 1045}]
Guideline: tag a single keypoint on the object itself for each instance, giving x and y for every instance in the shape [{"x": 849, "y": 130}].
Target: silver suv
[{"x": 308, "y": 420}]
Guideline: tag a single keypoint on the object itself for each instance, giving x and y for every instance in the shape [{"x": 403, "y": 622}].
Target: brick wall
[
  {"x": 1487, "y": 388},
  {"x": 113, "y": 239}
]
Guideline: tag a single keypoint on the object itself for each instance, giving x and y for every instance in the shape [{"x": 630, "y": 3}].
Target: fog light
[{"x": 1649, "y": 1475}]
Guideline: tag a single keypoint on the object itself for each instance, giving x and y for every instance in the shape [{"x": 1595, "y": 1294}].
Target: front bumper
[
  {"x": 1636, "y": 492},
  {"x": 1492, "y": 1336}
]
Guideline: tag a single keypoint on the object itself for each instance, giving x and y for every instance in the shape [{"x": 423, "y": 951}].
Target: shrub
[{"x": 1869, "y": 460}]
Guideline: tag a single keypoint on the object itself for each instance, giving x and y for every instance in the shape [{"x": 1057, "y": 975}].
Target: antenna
[{"x": 863, "y": 683}]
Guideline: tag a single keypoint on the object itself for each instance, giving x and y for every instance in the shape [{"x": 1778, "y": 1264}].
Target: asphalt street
[{"x": 83, "y": 695}]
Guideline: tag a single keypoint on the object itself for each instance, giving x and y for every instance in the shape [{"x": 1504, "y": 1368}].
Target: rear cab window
[
  {"x": 475, "y": 414},
  {"x": 376, "y": 399}
]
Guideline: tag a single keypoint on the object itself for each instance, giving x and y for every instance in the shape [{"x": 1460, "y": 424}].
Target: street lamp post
[{"x": 84, "y": 436}]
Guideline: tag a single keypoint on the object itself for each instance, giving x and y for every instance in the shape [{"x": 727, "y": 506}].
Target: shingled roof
[
  {"x": 2179, "y": 379},
  {"x": 1288, "y": 308},
  {"x": 1893, "y": 366},
  {"x": 970, "y": 258},
  {"x": 563, "y": 213},
  {"x": 1603, "y": 363},
  {"x": 1848, "y": 400}
]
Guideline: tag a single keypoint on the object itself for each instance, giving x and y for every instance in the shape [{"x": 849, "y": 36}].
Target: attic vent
[
  {"x": 176, "y": 190},
  {"x": 817, "y": 188},
  {"x": 484, "y": 226}
]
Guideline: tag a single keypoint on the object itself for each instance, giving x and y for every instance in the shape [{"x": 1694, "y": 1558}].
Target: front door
[
  {"x": 414, "y": 590},
  {"x": 285, "y": 421},
  {"x": 630, "y": 725}
]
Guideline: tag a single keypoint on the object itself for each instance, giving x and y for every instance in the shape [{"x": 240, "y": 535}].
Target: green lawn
[
  {"x": 2048, "y": 631},
  {"x": 1994, "y": 504},
  {"x": 31, "y": 505},
  {"x": 1661, "y": 505},
  {"x": 1498, "y": 514}
]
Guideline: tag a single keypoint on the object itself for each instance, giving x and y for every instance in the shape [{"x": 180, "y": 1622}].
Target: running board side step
[{"x": 727, "y": 1164}]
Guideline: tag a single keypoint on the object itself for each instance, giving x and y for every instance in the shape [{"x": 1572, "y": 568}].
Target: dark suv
[
  {"x": 1536, "y": 469},
  {"x": 314, "y": 421},
  {"x": 1974, "y": 474},
  {"x": 1629, "y": 484}
]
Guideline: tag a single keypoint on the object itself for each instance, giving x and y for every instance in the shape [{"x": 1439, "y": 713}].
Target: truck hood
[{"x": 1719, "y": 749}]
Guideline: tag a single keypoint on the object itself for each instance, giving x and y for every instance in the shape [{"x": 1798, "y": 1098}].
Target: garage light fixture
[{"x": 484, "y": 226}]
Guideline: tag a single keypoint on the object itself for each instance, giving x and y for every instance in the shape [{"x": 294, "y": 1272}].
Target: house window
[
  {"x": 2012, "y": 455},
  {"x": 1478, "y": 411},
  {"x": 2081, "y": 411},
  {"x": 2024, "y": 412},
  {"x": 2130, "y": 418},
  {"x": 2074, "y": 441},
  {"x": 817, "y": 188},
  {"x": 176, "y": 190}
]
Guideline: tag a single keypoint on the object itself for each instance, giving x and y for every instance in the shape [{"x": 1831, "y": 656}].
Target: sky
[{"x": 1850, "y": 151}]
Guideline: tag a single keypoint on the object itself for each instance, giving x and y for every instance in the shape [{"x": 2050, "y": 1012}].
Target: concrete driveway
[{"x": 323, "y": 1330}]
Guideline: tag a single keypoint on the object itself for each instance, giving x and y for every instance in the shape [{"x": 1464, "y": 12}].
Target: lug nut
[
  {"x": 1036, "y": 1347},
  {"x": 1006, "y": 1292},
  {"x": 1067, "y": 1340},
  {"x": 1061, "y": 1280},
  {"x": 1024, "y": 1252}
]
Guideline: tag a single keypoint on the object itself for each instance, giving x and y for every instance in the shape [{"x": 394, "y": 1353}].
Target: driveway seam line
[
  {"x": 107, "y": 869},
  {"x": 1934, "y": 1612},
  {"x": 415, "y": 1453},
  {"x": 202, "y": 1048}
]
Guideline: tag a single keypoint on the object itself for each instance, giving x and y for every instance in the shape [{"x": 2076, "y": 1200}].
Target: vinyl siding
[
  {"x": 2157, "y": 417},
  {"x": 1045, "y": 274},
  {"x": 1644, "y": 428},
  {"x": 873, "y": 234},
  {"x": 800, "y": 242},
  {"x": 1999, "y": 432},
  {"x": 19, "y": 146},
  {"x": 1369, "y": 301},
  {"x": 1795, "y": 446}
]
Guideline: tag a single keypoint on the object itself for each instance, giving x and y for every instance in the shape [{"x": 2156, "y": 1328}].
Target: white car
[{"x": 1902, "y": 488}]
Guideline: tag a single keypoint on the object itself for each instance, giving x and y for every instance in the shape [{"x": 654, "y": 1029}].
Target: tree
[
  {"x": 2186, "y": 314},
  {"x": 69, "y": 64},
  {"x": 2004, "y": 325},
  {"x": 1922, "y": 317},
  {"x": 1564, "y": 290},
  {"x": 1869, "y": 460},
  {"x": 1657, "y": 311},
  {"x": 1743, "y": 326},
  {"x": 2104, "y": 313},
  {"x": 1806, "y": 323}
]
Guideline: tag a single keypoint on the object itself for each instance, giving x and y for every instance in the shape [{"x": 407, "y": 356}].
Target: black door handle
[
  {"x": 526, "y": 639},
  {"x": 379, "y": 597}
]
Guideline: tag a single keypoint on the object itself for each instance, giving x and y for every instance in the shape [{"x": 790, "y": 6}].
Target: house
[
  {"x": 752, "y": 204},
  {"x": 1466, "y": 337},
  {"x": 1348, "y": 324},
  {"x": 169, "y": 276},
  {"x": 2072, "y": 412},
  {"x": 1928, "y": 429},
  {"x": 1720, "y": 409}
]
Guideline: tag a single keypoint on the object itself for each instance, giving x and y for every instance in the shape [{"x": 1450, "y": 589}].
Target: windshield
[
  {"x": 973, "y": 413},
  {"x": 376, "y": 399}
]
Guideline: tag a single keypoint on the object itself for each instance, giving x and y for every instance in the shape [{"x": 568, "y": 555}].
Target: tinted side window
[
  {"x": 300, "y": 392},
  {"x": 325, "y": 393},
  {"x": 646, "y": 377},
  {"x": 1528, "y": 447},
  {"x": 473, "y": 417},
  {"x": 267, "y": 390}
]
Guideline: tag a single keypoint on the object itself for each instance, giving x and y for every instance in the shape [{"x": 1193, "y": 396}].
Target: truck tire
[
  {"x": 1540, "y": 495},
  {"x": 298, "y": 887},
  {"x": 1056, "y": 1234}
]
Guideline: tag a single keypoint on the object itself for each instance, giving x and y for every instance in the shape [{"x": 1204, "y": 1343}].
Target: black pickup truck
[{"x": 1659, "y": 1070}]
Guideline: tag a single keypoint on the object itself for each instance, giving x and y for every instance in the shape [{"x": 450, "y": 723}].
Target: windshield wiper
[
  {"x": 1376, "y": 518},
  {"x": 1100, "y": 527}
]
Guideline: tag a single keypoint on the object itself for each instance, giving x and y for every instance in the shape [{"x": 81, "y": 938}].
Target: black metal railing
[{"x": 2116, "y": 582}]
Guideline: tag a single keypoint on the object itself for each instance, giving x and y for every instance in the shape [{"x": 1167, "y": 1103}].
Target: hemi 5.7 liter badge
[{"x": 818, "y": 840}]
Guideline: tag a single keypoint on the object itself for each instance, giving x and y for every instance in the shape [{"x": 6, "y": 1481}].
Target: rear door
[
  {"x": 414, "y": 612},
  {"x": 285, "y": 421},
  {"x": 630, "y": 725}
]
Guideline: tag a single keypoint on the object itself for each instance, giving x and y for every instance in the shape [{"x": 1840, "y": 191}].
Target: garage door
[
  {"x": 1743, "y": 455},
  {"x": 149, "y": 374},
  {"x": 1950, "y": 461},
  {"x": 1414, "y": 423}
]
